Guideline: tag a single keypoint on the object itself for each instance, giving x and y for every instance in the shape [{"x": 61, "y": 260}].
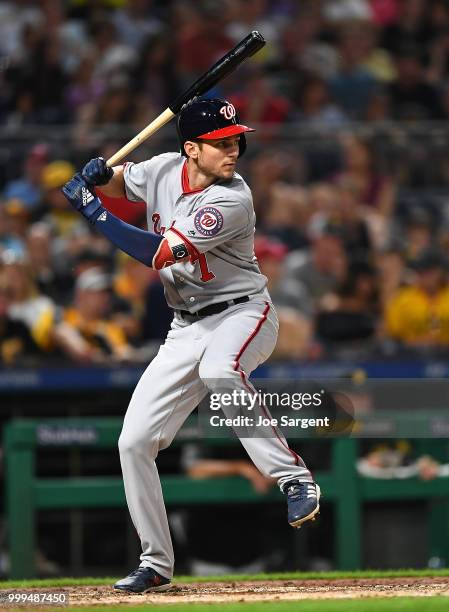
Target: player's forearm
[
  {"x": 115, "y": 188},
  {"x": 153, "y": 250},
  {"x": 137, "y": 243}
]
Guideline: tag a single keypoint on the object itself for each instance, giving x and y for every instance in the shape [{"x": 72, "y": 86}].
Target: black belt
[{"x": 213, "y": 308}]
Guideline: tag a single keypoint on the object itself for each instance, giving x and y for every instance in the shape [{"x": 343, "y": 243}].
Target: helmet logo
[{"x": 228, "y": 111}]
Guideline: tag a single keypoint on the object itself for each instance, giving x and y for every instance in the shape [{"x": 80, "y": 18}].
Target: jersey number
[{"x": 206, "y": 274}]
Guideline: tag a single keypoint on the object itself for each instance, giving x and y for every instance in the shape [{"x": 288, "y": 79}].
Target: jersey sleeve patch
[{"x": 208, "y": 221}]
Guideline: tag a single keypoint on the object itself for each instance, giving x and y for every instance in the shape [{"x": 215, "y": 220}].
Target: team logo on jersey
[
  {"x": 208, "y": 221},
  {"x": 228, "y": 111}
]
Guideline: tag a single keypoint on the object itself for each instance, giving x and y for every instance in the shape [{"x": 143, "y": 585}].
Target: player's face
[{"x": 218, "y": 158}]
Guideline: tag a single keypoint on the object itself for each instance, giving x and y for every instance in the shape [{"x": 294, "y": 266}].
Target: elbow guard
[{"x": 171, "y": 250}]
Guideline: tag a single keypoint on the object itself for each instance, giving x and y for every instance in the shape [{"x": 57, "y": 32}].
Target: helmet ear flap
[{"x": 242, "y": 144}]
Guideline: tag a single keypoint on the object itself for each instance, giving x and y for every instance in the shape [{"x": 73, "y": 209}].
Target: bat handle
[{"x": 148, "y": 131}]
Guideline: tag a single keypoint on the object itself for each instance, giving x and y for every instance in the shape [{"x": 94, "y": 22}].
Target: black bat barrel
[{"x": 227, "y": 64}]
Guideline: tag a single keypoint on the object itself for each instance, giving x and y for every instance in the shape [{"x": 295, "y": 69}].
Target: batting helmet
[{"x": 209, "y": 120}]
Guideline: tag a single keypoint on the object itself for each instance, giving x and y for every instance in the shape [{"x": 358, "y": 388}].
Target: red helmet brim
[{"x": 230, "y": 130}]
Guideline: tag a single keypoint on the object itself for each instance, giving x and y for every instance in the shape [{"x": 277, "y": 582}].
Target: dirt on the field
[{"x": 273, "y": 590}]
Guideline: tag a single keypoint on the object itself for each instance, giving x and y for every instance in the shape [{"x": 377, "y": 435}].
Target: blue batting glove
[
  {"x": 83, "y": 198},
  {"x": 96, "y": 172}
]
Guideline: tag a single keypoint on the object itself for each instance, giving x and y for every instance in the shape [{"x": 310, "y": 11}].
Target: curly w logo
[{"x": 228, "y": 111}]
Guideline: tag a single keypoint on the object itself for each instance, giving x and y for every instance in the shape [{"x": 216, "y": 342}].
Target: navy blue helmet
[{"x": 209, "y": 120}]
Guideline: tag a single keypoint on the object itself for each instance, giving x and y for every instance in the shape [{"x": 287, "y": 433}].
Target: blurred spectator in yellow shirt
[
  {"x": 418, "y": 315},
  {"x": 16, "y": 343},
  {"x": 26, "y": 303},
  {"x": 86, "y": 332}
]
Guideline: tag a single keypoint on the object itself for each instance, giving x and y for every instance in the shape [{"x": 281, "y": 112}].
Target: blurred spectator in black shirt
[
  {"x": 345, "y": 218},
  {"x": 412, "y": 99},
  {"x": 350, "y": 313},
  {"x": 322, "y": 267},
  {"x": 52, "y": 279},
  {"x": 154, "y": 75},
  {"x": 41, "y": 79},
  {"x": 410, "y": 29}
]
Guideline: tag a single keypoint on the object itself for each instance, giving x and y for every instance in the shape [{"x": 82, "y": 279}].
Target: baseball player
[{"x": 201, "y": 220}]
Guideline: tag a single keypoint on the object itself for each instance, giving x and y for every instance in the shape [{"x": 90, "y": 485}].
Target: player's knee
[{"x": 137, "y": 444}]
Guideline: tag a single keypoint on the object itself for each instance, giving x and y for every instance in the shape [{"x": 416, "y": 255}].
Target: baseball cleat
[
  {"x": 143, "y": 580},
  {"x": 303, "y": 501}
]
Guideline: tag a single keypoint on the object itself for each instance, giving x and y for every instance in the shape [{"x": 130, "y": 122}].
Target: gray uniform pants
[{"x": 229, "y": 345}]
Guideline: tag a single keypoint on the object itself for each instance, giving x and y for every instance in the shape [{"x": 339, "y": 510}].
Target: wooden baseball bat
[{"x": 227, "y": 64}]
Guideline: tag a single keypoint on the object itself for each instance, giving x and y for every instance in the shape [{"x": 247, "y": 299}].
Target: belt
[{"x": 213, "y": 308}]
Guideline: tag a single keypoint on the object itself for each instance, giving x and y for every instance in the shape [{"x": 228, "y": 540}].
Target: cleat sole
[
  {"x": 160, "y": 589},
  {"x": 154, "y": 589}
]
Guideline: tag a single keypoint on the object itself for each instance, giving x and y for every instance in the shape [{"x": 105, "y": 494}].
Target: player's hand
[
  {"x": 96, "y": 172},
  {"x": 82, "y": 197}
]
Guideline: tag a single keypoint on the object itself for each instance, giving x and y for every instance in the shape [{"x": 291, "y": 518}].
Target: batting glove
[
  {"x": 82, "y": 198},
  {"x": 96, "y": 172}
]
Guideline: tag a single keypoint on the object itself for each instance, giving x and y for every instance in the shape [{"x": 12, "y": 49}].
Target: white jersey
[{"x": 218, "y": 221}]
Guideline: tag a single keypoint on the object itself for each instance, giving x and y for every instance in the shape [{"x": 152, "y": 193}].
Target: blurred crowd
[
  {"x": 326, "y": 61},
  {"x": 353, "y": 241}
]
